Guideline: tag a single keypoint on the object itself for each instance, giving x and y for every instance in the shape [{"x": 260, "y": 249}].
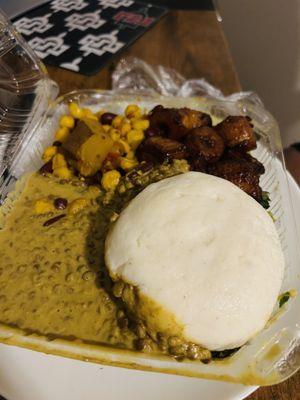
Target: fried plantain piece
[
  {"x": 237, "y": 131},
  {"x": 158, "y": 149},
  {"x": 176, "y": 122},
  {"x": 205, "y": 143},
  {"x": 237, "y": 154},
  {"x": 242, "y": 173}
]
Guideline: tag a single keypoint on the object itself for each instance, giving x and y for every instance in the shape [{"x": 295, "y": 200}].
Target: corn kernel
[
  {"x": 133, "y": 111},
  {"x": 58, "y": 161},
  {"x": 117, "y": 121},
  {"x": 67, "y": 121},
  {"x": 127, "y": 164},
  {"x": 140, "y": 124},
  {"x": 84, "y": 168},
  {"x": 49, "y": 153},
  {"x": 43, "y": 206},
  {"x": 87, "y": 113},
  {"x": 62, "y": 134},
  {"x": 125, "y": 128},
  {"x": 114, "y": 134},
  {"x": 77, "y": 205},
  {"x": 76, "y": 111},
  {"x": 106, "y": 128},
  {"x": 94, "y": 190},
  {"x": 124, "y": 146},
  {"x": 293, "y": 292},
  {"x": 63, "y": 172},
  {"x": 110, "y": 180},
  {"x": 134, "y": 138}
]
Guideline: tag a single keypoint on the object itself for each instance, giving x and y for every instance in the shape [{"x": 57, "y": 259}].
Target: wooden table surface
[{"x": 193, "y": 43}]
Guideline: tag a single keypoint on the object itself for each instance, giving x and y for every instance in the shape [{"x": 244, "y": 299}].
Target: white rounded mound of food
[{"x": 203, "y": 250}]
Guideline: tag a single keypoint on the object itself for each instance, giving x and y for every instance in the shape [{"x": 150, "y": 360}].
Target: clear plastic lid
[{"x": 25, "y": 90}]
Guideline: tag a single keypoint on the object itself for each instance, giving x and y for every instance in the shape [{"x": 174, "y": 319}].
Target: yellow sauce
[{"x": 50, "y": 277}]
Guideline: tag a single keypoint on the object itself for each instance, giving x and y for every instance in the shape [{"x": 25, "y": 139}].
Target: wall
[{"x": 264, "y": 37}]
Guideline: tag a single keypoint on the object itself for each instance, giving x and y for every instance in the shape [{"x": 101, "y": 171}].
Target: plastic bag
[{"x": 133, "y": 74}]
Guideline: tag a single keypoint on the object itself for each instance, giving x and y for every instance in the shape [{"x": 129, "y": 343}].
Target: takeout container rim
[{"x": 22, "y": 339}]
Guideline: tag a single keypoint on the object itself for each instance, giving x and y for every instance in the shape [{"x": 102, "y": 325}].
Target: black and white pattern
[
  {"x": 82, "y": 35},
  {"x": 84, "y": 21},
  {"x": 27, "y": 26},
  {"x": 52, "y": 45},
  {"x": 67, "y": 5},
  {"x": 100, "y": 44},
  {"x": 115, "y": 3}
]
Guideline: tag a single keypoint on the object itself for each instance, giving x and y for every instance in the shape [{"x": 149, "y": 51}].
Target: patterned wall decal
[{"x": 82, "y": 35}]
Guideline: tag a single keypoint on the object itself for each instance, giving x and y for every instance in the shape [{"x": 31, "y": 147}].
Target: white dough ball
[{"x": 204, "y": 251}]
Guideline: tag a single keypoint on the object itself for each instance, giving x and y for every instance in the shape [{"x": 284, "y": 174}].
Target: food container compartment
[{"x": 274, "y": 354}]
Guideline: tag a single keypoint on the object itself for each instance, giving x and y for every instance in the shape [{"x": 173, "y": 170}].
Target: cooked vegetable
[
  {"x": 176, "y": 123},
  {"x": 76, "y": 111},
  {"x": 135, "y": 137},
  {"x": 107, "y": 118},
  {"x": 117, "y": 121},
  {"x": 49, "y": 153},
  {"x": 63, "y": 173},
  {"x": 60, "y": 203},
  {"x": 77, "y": 205},
  {"x": 133, "y": 111},
  {"x": 80, "y": 135},
  {"x": 140, "y": 124},
  {"x": 205, "y": 143},
  {"x": 93, "y": 143},
  {"x": 158, "y": 149},
  {"x": 62, "y": 134},
  {"x": 67, "y": 121},
  {"x": 265, "y": 200},
  {"x": 239, "y": 173},
  {"x": 88, "y": 148},
  {"x": 237, "y": 131},
  {"x": 110, "y": 180},
  {"x": 284, "y": 298},
  {"x": 51, "y": 221},
  {"x": 127, "y": 164},
  {"x": 58, "y": 161}
]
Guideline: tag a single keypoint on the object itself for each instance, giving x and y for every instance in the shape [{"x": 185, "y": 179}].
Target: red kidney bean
[{"x": 107, "y": 118}]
